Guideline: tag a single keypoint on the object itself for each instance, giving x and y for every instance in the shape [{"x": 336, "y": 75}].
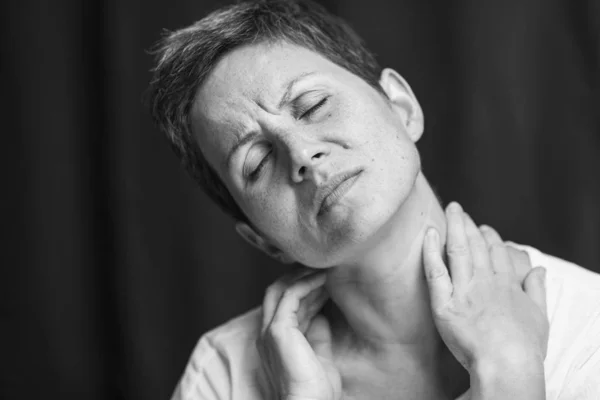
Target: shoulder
[
  {"x": 569, "y": 286},
  {"x": 224, "y": 363},
  {"x": 573, "y": 299},
  {"x": 573, "y": 292},
  {"x": 558, "y": 268}
]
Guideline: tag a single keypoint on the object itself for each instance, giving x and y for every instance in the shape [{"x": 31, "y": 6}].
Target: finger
[
  {"x": 286, "y": 313},
  {"x": 275, "y": 291},
  {"x": 490, "y": 235},
  {"x": 479, "y": 249},
  {"x": 270, "y": 301},
  {"x": 270, "y": 343},
  {"x": 319, "y": 336},
  {"x": 535, "y": 286},
  {"x": 436, "y": 273},
  {"x": 521, "y": 262},
  {"x": 310, "y": 298},
  {"x": 501, "y": 262},
  {"x": 288, "y": 346},
  {"x": 310, "y": 307},
  {"x": 457, "y": 247}
]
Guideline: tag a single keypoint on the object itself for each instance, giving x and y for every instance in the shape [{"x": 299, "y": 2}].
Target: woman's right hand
[{"x": 295, "y": 342}]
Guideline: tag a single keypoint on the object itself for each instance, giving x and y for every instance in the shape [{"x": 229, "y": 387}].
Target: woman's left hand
[{"x": 480, "y": 306}]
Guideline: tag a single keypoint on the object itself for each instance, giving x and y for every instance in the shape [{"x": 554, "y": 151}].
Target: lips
[{"x": 337, "y": 187}]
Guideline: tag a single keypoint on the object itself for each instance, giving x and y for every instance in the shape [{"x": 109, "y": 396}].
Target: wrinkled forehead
[
  {"x": 246, "y": 80},
  {"x": 255, "y": 71}
]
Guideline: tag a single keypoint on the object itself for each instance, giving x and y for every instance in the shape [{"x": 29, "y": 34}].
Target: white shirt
[{"x": 225, "y": 363}]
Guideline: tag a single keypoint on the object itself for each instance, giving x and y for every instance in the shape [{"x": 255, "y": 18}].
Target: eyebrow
[
  {"x": 284, "y": 99},
  {"x": 289, "y": 86}
]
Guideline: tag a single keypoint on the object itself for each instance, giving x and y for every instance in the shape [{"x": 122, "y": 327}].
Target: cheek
[
  {"x": 274, "y": 213},
  {"x": 370, "y": 125},
  {"x": 279, "y": 218}
]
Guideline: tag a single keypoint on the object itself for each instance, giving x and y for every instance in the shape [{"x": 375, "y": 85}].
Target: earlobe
[
  {"x": 403, "y": 101},
  {"x": 251, "y": 236}
]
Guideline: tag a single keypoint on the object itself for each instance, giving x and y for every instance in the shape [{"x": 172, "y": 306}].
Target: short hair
[{"x": 185, "y": 57}]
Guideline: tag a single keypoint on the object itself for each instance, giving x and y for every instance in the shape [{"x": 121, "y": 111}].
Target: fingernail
[
  {"x": 484, "y": 228},
  {"x": 454, "y": 207}
]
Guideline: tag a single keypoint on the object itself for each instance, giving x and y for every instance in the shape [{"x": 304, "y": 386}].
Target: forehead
[
  {"x": 244, "y": 83},
  {"x": 253, "y": 72}
]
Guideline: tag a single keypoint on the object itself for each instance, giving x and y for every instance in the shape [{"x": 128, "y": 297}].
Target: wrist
[
  {"x": 508, "y": 377},
  {"x": 508, "y": 359}
]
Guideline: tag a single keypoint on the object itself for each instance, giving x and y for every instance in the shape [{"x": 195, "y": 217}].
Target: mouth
[{"x": 335, "y": 189}]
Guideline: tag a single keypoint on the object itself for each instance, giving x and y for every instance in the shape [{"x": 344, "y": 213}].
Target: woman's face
[{"x": 279, "y": 123}]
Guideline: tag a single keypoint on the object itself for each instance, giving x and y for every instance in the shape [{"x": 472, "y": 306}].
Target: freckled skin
[{"x": 356, "y": 127}]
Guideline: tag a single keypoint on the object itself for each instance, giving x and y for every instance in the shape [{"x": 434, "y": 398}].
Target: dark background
[{"x": 115, "y": 263}]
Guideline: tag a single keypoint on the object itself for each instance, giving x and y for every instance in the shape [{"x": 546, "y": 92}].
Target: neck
[{"x": 382, "y": 295}]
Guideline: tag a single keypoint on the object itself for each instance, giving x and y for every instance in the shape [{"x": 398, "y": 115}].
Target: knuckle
[
  {"x": 431, "y": 250},
  {"x": 458, "y": 250},
  {"x": 478, "y": 244},
  {"x": 275, "y": 330},
  {"x": 434, "y": 273},
  {"x": 439, "y": 312}
]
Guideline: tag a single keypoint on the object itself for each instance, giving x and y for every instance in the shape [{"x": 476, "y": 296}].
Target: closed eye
[
  {"x": 254, "y": 175},
  {"x": 314, "y": 108}
]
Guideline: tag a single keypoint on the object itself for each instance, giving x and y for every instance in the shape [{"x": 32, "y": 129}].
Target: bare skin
[
  {"x": 476, "y": 334},
  {"x": 279, "y": 123}
]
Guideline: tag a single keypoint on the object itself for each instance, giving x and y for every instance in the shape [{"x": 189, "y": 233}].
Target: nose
[{"x": 305, "y": 157}]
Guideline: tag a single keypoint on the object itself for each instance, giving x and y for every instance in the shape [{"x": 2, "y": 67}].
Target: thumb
[
  {"x": 535, "y": 286},
  {"x": 319, "y": 337}
]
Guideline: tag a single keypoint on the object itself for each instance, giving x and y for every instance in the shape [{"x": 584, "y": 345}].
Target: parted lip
[{"x": 333, "y": 183}]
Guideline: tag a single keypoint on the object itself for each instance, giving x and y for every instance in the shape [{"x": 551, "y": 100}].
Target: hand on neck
[{"x": 383, "y": 296}]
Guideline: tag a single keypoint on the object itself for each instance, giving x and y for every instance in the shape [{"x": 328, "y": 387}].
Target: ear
[
  {"x": 251, "y": 236},
  {"x": 404, "y": 102}
]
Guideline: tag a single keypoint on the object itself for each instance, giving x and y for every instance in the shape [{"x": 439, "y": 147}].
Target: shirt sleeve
[{"x": 206, "y": 375}]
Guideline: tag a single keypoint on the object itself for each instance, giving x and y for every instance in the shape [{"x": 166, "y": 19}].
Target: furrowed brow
[
  {"x": 284, "y": 99},
  {"x": 289, "y": 86}
]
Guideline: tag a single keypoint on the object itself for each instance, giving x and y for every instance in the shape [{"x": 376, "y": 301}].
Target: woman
[{"x": 285, "y": 119}]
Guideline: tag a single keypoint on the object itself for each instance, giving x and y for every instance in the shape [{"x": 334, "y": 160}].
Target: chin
[
  {"x": 353, "y": 227},
  {"x": 381, "y": 216},
  {"x": 349, "y": 233}
]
